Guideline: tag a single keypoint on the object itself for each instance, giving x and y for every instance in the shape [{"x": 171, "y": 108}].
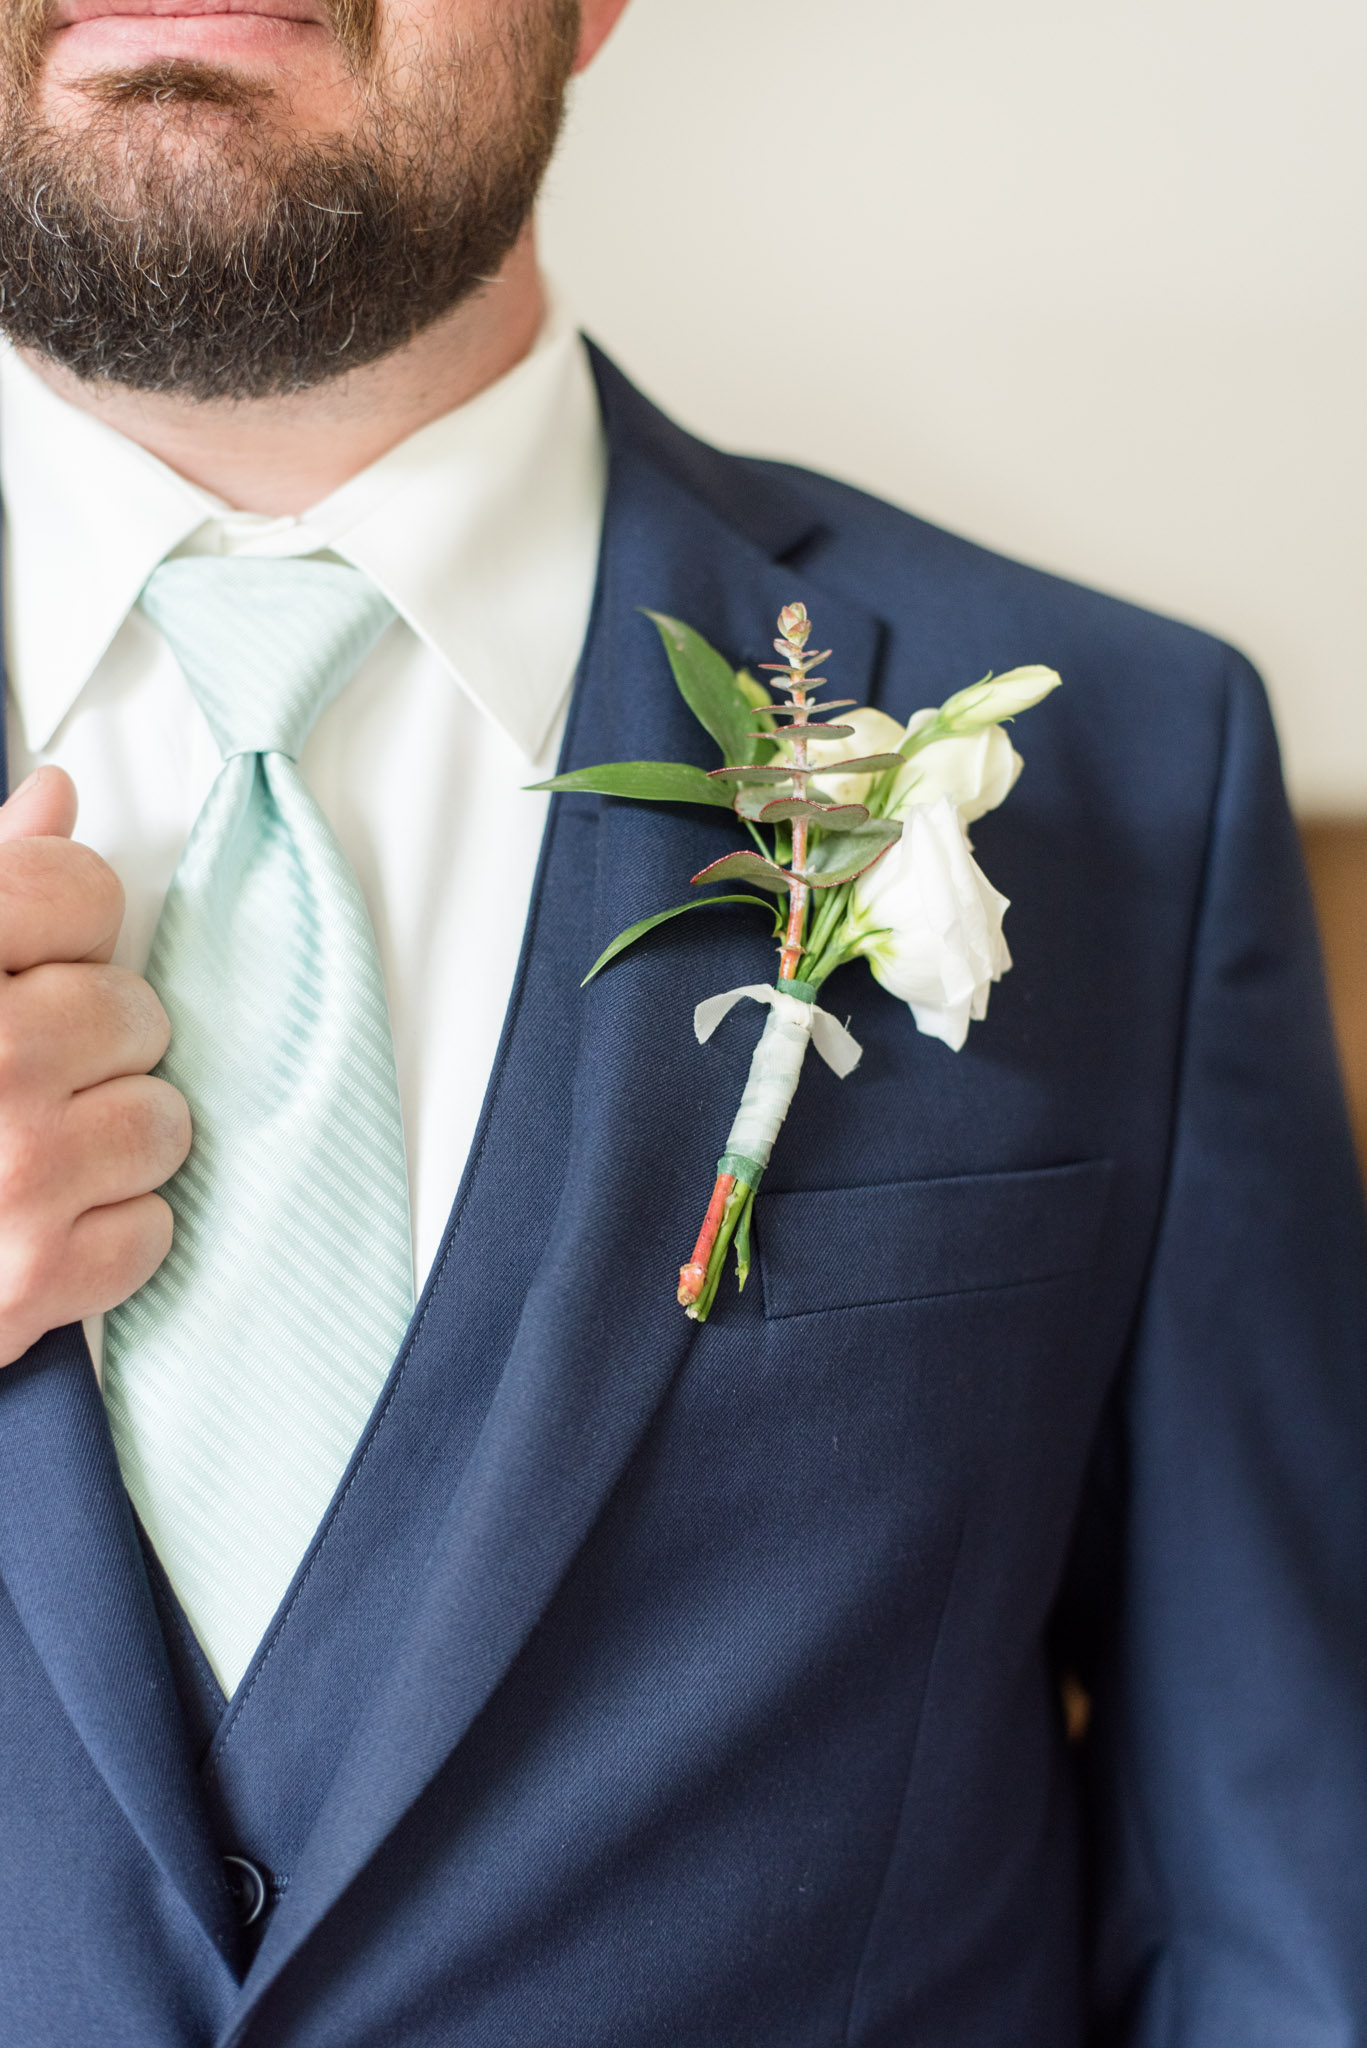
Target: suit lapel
[
  {"x": 595, "y": 1337},
  {"x": 71, "y": 1563}
]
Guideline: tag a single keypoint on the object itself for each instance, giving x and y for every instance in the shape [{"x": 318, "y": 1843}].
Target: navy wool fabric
[{"x": 649, "y": 1687}]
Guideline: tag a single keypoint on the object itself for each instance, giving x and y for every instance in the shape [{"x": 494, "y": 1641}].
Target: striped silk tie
[{"x": 239, "y": 1379}]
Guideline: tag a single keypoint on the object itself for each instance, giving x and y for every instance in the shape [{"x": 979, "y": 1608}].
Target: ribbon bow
[{"x": 840, "y": 1050}]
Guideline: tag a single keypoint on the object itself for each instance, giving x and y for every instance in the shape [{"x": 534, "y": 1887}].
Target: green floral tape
[
  {"x": 805, "y": 991},
  {"x": 749, "y": 1171}
]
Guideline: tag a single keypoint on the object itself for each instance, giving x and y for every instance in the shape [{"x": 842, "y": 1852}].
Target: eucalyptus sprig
[{"x": 767, "y": 780}]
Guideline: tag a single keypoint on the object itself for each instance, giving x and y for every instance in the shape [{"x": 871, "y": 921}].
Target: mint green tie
[{"x": 239, "y": 1379}]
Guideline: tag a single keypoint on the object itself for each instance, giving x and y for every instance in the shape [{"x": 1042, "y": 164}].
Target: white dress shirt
[{"x": 483, "y": 531}]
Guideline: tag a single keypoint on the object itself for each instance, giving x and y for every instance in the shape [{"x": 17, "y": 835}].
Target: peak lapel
[
  {"x": 600, "y": 1336},
  {"x": 72, "y": 1565}
]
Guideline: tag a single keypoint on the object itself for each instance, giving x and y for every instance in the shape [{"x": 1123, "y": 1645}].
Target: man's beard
[{"x": 178, "y": 241}]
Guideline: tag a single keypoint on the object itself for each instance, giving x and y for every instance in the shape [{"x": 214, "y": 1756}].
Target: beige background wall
[{"x": 1084, "y": 279}]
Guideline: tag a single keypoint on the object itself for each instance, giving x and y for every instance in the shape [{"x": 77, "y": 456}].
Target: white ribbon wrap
[
  {"x": 841, "y": 1051},
  {"x": 777, "y": 1063}
]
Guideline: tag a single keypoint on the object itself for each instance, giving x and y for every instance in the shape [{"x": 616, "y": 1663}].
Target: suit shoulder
[
  {"x": 934, "y": 583},
  {"x": 953, "y": 609}
]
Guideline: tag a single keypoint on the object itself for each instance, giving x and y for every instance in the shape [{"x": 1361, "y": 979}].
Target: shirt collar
[
  {"x": 482, "y": 529},
  {"x": 87, "y": 517}
]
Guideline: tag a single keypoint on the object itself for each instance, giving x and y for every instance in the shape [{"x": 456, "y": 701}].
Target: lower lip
[{"x": 134, "y": 39}]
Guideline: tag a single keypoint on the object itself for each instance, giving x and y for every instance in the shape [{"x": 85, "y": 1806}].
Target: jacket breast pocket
[{"x": 916, "y": 1240}]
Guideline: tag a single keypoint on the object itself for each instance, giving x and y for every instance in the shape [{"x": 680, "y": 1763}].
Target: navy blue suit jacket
[{"x": 651, "y": 1685}]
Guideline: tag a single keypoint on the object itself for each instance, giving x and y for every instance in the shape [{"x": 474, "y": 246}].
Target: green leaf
[
  {"x": 862, "y": 764},
  {"x": 648, "y": 924},
  {"x": 750, "y": 802},
  {"x": 660, "y": 782},
  {"x": 762, "y": 746},
  {"x": 830, "y": 817},
  {"x": 745, "y": 867},
  {"x": 838, "y": 857},
  {"x": 757, "y": 775},
  {"x": 753, "y": 691},
  {"x": 709, "y": 688},
  {"x": 826, "y": 704}
]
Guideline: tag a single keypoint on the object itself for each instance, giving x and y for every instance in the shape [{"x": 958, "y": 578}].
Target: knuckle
[
  {"x": 27, "y": 1265},
  {"x": 40, "y": 876},
  {"x": 39, "y": 1008},
  {"x": 156, "y": 1023},
  {"x": 132, "y": 1256},
  {"x": 174, "y": 1128},
  {"x": 160, "y": 1229},
  {"x": 150, "y": 1120},
  {"x": 133, "y": 1010},
  {"x": 26, "y": 1157},
  {"x": 185, "y": 1129},
  {"x": 82, "y": 873},
  {"x": 15, "y": 1048}
]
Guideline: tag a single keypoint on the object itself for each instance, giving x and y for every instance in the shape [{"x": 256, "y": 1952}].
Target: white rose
[{"x": 932, "y": 923}]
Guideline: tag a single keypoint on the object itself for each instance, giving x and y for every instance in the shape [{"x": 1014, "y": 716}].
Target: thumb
[{"x": 44, "y": 807}]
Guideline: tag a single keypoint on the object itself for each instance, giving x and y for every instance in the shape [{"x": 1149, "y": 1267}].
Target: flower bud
[{"x": 998, "y": 697}]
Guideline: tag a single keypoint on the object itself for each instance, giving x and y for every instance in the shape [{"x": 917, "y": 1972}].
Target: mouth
[{"x": 88, "y": 36}]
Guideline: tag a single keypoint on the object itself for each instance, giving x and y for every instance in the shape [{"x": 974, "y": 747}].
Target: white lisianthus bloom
[
  {"x": 975, "y": 771},
  {"x": 929, "y": 923},
  {"x": 873, "y": 733}
]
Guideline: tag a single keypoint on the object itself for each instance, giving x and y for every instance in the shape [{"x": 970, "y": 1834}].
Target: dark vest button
[{"x": 247, "y": 1883}]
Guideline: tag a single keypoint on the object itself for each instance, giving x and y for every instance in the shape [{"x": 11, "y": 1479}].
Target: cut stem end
[{"x": 693, "y": 1276}]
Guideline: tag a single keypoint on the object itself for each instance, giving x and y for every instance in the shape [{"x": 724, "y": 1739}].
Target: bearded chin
[{"x": 177, "y": 240}]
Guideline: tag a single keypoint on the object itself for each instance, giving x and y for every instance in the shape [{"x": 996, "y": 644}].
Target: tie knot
[{"x": 265, "y": 645}]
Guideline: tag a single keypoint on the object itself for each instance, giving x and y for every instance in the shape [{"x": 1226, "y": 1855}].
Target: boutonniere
[{"x": 859, "y": 832}]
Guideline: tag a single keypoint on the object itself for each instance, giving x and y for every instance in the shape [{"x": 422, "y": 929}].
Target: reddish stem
[
  {"x": 693, "y": 1276},
  {"x": 797, "y": 891}
]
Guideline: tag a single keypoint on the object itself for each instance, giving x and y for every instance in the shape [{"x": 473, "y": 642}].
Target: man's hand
[{"x": 85, "y": 1133}]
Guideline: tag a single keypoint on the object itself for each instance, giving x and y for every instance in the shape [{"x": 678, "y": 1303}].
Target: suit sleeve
[{"x": 1224, "y": 1565}]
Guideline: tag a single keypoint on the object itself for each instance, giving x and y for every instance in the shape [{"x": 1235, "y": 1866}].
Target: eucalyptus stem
[
  {"x": 798, "y": 892},
  {"x": 796, "y": 678}
]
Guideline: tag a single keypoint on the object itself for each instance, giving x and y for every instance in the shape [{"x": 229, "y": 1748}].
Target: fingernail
[{"x": 27, "y": 783}]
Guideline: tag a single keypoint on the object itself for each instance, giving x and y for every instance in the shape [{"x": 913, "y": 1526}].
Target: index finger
[{"x": 58, "y": 901}]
